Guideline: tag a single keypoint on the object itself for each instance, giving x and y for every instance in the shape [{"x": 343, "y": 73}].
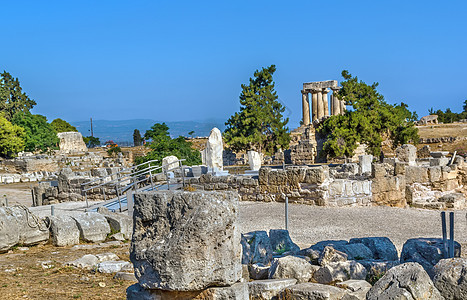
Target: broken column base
[{"x": 238, "y": 291}]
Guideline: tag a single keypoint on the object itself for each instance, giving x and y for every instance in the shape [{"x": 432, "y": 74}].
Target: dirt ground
[
  {"x": 40, "y": 273},
  {"x": 445, "y": 130}
]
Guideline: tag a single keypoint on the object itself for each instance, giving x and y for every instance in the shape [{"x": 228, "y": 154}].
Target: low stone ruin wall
[
  {"x": 394, "y": 183},
  {"x": 69, "y": 187},
  {"x": 20, "y": 226}
]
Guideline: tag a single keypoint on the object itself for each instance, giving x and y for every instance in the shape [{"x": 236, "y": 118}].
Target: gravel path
[{"x": 311, "y": 224}]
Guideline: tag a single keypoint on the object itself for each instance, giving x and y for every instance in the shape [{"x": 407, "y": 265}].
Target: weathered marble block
[{"x": 186, "y": 241}]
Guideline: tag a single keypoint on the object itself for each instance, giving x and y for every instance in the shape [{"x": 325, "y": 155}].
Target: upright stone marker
[
  {"x": 186, "y": 241},
  {"x": 254, "y": 160},
  {"x": 214, "y": 149}
]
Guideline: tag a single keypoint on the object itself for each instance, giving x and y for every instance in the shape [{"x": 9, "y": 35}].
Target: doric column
[
  {"x": 326, "y": 102},
  {"x": 305, "y": 108},
  {"x": 336, "y": 105},
  {"x": 320, "y": 105},
  {"x": 314, "y": 104}
]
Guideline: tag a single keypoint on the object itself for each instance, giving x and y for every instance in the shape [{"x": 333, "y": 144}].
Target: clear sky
[{"x": 186, "y": 60}]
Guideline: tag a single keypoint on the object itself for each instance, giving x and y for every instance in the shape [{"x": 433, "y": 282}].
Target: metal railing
[{"x": 130, "y": 178}]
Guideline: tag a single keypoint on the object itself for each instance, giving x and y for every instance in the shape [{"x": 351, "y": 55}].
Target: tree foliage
[
  {"x": 63, "y": 126},
  {"x": 40, "y": 135},
  {"x": 11, "y": 138},
  {"x": 369, "y": 121},
  {"x": 259, "y": 125},
  {"x": 91, "y": 141},
  {"x": 448, "y": 116},
  {"x": 12, "y": 97},
  {"x": 113, "y": 151},
  {"x": 137, "y": 139},
  {"x": 163, "y": 145}
]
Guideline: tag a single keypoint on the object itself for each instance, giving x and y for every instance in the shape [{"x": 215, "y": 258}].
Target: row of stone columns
[{"x": 320, "y": 105}]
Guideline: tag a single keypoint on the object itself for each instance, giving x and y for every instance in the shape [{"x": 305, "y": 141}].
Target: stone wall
[
  {"x": 308, "y": 185},
  {"x": 395, "y": 182}
]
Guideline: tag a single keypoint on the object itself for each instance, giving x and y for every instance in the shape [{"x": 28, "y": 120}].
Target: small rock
[
  {"x": 102, "y": 284},
  {"x": 118, "y": 236},
  {"x": 106, "y": 256},
  {"x": 340, "y": 271},
  {"x": 331, "y": 255},
  {"x": 23, "y": 248},
  {"x": 111, "y": 266},
  {"x": 292, "y": 267},
  {"x": 125, "y": 276},
  {"x": 88, "y": 261},
  {"x": 259, "y": 271}
]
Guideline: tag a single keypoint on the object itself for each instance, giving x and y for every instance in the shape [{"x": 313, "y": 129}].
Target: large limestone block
[
  {"x": 449, "y": 277},
  {"x": 313, "y": 291},
  {"x": 214, "y": 150},
  {"x": 340, "y": 271},
  {"x": 93, "y": 227},
  {"x": 317, "y": 175},
  {"x": 238, "y": 291},
  {"x": 254, "y": 160},
  {"x": 416, "y": 174},
  {"x": 256, "y": 248},
  {"x": 9, "y": 233},
  {"x": 426, "y": 251},
  {"x": 406, "y": 281},
  {"x": 381, "y": 247},
  {"x": 30, "y": 229},
  {"x": 292, "y": 267},
  {"x": 118, "y": 222},
  {"x": 269, "y": 288},
  {"x": 407, "y": 153},
  {"x": 64, "y": 230},
  {"x": 71, "y": 142},
  {"x": 186, "y": 241},
  {"x": 281, "y": 242}
]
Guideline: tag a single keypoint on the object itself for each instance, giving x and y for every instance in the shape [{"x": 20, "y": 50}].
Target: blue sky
[{"x": 186, "y": 60}]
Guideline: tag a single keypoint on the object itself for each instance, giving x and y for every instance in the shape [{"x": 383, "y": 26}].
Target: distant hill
[{"x": 121, "y": 132}]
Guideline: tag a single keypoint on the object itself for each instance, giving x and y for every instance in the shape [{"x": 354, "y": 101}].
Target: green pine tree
[
  {"x": 12, "y": 97},
  {"x": 369, "y": 121},
  {"x": 62, "y": 126},
  {"x": 260, "y": 124}
]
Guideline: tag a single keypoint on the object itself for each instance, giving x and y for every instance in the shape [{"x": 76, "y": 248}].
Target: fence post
[
  {"x": 451, "y": 234},
  {"x": 286, "y": 213},
  {"x": 443, "y": 228}
]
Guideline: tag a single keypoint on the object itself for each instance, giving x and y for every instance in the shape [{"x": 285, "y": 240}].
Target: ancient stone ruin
[{"x": 71, "y": 142}]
